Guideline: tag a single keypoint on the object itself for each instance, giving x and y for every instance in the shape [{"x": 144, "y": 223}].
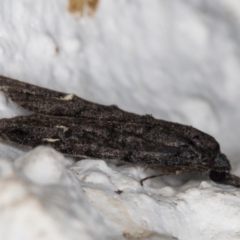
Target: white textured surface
[
  {"x": 48, "y": 209},
  {"x": 177, "y": 60}
]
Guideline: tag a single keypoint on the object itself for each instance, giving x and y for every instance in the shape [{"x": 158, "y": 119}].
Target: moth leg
[
  {"x": 153, "y": 176},
  {"x": 157, "y": 175},
  {"x": 175, "y": 171}
]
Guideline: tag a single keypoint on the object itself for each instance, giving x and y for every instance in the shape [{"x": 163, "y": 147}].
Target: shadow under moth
[{"x": 82, "y": 129}]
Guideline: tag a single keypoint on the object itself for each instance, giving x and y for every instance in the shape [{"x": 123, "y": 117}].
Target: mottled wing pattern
[
  {"x": 83, "y": 129},
  {"x": 53, "y": 103}
]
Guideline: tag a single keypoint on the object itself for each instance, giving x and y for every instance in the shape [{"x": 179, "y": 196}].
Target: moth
[{"x": 82, "y": 129}]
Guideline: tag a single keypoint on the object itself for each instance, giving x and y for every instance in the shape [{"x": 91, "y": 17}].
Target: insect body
[{"x": 83, "y": 129}]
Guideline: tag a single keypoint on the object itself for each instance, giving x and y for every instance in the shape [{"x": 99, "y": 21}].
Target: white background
[{"x": 177, "y": 60}]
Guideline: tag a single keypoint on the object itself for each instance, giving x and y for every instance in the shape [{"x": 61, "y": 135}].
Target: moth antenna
[
  {"x": 224, "y": 178},
  {"x": 232, "y": 180}
]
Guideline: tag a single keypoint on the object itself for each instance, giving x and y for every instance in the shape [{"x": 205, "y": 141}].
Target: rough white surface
[
  {"x": 51, "y": 161},
  {"x": 47, "y": 209},
  {"x": 177, "y": 60}
]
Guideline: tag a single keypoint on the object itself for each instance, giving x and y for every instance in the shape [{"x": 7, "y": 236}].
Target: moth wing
[
  {"x": 101, "y": 131},
  {"x": 49, "y": 102},
  {"x": 78, "y": 137},
  {"x": 91, "y": 138}
]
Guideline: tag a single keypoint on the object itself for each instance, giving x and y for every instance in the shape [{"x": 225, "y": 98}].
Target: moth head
[
  {"x": 221, "y": 163},
  {"x": 220, "y": 172}
]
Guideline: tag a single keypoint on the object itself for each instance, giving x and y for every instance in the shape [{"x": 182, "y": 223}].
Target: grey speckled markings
[{"x": 83, "y": 129}]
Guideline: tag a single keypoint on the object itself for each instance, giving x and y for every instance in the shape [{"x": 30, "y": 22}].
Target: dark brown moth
[{"x": 83, "y": 129}]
